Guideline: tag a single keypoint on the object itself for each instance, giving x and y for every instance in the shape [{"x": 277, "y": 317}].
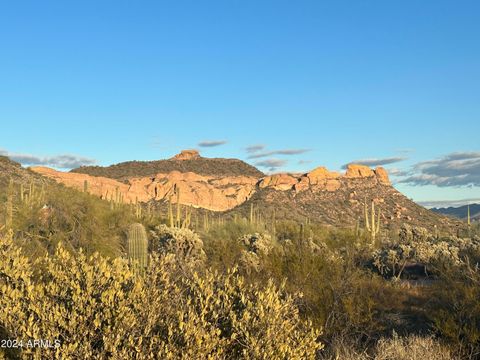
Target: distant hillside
[
  {"x": 11, "y": 170},
  {"x": 460, "y": 212},
  {"x": 195, "y": 163}
]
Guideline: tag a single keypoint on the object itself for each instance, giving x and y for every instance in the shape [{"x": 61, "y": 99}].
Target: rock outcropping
[
  {"x": 212, "y": 193},
  {"x": 187, "y": 155},
  {"x": 321, "y": 179},
  {"x": 217, "y": 193}
]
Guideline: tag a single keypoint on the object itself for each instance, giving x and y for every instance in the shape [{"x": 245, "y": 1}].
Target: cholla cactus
[
  {"x": 183, "y": 243},
  {"x": 258, "y": 243},
  {"x": 419, "y": 233},
  {"x": 405, "y": 233},
  {"x": 430, "y": 252}
]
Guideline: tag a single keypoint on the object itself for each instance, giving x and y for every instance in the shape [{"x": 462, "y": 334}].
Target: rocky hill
[
  {"x": 186, "y": 161},
  {"x": 342, "y": 204},
  {"x": 319, "y": 195}
]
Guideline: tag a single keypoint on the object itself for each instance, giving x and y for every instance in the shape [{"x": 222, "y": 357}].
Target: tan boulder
[
  {"x": 320, "y": 174},
  {"x": 303, "y": 184},
  {"x": 280, "y": 182},
  {"x": 319, "y": 179},
  {"x": 187, "y": 155},
  {"x": 358, "y": 171},
  {"x": 382, "y": 175},
  {"x": 332, "y": 184}
]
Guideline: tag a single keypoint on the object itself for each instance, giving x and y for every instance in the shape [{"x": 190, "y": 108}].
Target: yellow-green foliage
[{"x": 98, "y": 309}]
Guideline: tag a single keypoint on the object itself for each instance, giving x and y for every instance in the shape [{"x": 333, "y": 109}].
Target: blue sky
[{"x": 314, "y": 82}]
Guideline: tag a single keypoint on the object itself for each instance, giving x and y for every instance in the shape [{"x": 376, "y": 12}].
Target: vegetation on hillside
[
  {"x": 201, "y": 166},
  {"x": 113, "y": 280}
]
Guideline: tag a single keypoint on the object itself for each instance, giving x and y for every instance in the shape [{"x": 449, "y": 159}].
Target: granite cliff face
[{"x": 208, "y": 192}]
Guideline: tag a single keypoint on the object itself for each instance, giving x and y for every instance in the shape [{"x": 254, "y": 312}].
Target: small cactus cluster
[
  {"x": 176, "y": 221},
  {"x": 255, "y": 216},
  {"x": 32, "y": 196},
  {"x": 116, "y": 199},
  {"x": 137, "y": 246},
  {"x": 256, "y": 244},
  {"x": 409, "y": 233}
]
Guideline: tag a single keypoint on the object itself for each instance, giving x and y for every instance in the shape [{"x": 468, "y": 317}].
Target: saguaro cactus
[
  {"x": 468, "y": 215},
  {"x": 178, "y": 221},
  {"x": 373, "y": 227},
  {"x": 9, "y": 206},
  {"x": 137, "y": 246},
  {"x": 252, "y": 213}
]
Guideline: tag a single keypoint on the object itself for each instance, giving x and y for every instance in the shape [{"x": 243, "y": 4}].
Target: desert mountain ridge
[
  {"x": 329, "y": 197},
  {"x": 217, "y": 192}
]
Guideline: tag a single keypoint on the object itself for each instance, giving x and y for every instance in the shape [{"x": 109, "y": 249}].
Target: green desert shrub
[
  {"x": 337, "y": 295},
  {"x": 454, "y": 309},
  {"x": 221, "y": 243},
  {"x": 69, "y": 216}
]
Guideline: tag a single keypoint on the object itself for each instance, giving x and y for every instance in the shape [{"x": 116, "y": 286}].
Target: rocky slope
[{"x": 320, "y": 195}]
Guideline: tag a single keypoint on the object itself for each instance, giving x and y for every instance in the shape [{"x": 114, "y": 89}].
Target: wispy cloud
[
  {"x": 376, "y": 162},
  {"x": 254, "y": 148},
  {"x": 271, "y": 164},
  {"x": 398, "y": 172},
  {"x": 455, "y": 169},
  {"x": 303, "y": 162},
  {"x": 278, "y": 152},
  {"x": 211, "y": 143},
  {"x": 64, "y": 161}
]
